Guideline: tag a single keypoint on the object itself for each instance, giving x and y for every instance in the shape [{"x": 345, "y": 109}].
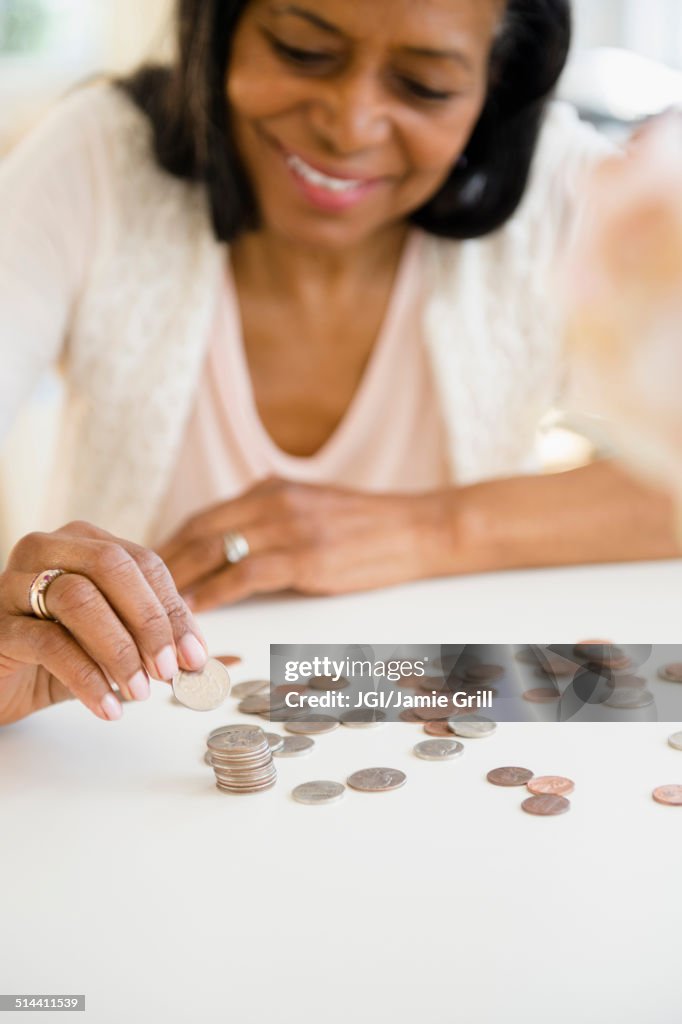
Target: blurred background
[{"x": 626, "y": 65}]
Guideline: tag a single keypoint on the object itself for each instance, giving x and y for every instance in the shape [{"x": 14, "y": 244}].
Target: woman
[{"x": 300, "y": 287}]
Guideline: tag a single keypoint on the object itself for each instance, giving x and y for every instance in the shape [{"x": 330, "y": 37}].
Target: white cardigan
[{"x": 125, "y": 307}]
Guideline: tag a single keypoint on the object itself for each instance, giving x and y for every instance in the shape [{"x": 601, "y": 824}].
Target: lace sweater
[{"x": 109, "y": 270}]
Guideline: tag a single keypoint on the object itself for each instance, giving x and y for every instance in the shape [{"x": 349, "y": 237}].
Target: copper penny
[
  {"x": 327, "y": 683},
  {"x": 551, "y": 664},
  {"x": 509, "y": 776},
  {"x": 550, "y": 785},
  {"x": 671, "y": 673},
  {"x": 670, "y": 795},
  {"x": 483, "y": 673},
  {"x": 546, "y": 805},
  {"x": 586, "y": 648},
  {"x": 410, "y": 715},
  {"x": 438, "y": 728},
  {"x": 434, "y": 714},
  {"x": 542, "y": 695}
]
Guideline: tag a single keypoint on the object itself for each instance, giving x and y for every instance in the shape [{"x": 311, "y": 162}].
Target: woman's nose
[{"x": 353, "y": 114}]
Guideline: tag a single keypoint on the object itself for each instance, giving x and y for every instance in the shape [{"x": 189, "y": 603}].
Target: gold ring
[{"x": 37, "y": 590}]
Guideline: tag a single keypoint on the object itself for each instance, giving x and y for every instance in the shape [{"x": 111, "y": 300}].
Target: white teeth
[{"x": 318, "y": 179}]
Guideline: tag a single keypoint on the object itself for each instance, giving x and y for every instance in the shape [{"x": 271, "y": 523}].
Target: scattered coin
[
  {"x": 319, "y": 792},
  {"x": 546, "y": 805},
  {"x": 242, "y": 760},
  {"x": 294, "y": 746},
  {"x": 327, "y": 683},
  {"x": 439, "y": 728},
  {"x": 550, "y": 785},
  {"x": 671, "y": 673},
  {"x": 509, "y": 776},
  {"x": 434, "y": 713},
  {"x": 676, "y": 740},
  {"x": 542, "y": 695},
  {"x": 670, "y": 795},
  {"x": 553, "y": 665},
  {"x": 250, "y": 687},
  {"x": 629, "y": 697},
  {"x": 260, "y": 704},
  {"x": 438, "y": 750},
  {"x": 275, "y": 740},
  {"x": 473, "y": 728},
  {"x": 314, "y": 726},
  {"x": 363, "y": 718},
  {"x": 410, "y": 715},
  {"x": 586, "y": 648},
  {"x": 483, "y": 673},
  {"x": 377, "y": 780},
  {"x": 530, "y": 655},
  {"x": 205, "y": 690}
]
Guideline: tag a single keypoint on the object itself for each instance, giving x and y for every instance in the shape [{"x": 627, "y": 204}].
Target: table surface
[{"x": 130, "y": 878}]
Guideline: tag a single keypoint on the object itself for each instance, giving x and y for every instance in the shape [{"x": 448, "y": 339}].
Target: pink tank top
[{"x": 389, "y": 440}]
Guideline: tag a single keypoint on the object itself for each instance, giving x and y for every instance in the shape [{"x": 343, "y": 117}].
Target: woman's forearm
[{"x": 594, "y": 514}]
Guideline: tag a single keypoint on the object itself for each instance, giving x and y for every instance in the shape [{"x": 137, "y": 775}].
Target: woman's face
[{"x": 350, "y": 114}]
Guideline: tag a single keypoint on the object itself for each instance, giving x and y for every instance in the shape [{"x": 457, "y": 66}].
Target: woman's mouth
[{"x": 327, "y": 191}]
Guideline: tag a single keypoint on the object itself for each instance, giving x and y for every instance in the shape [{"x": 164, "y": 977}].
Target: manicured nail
[
  {"x": 167, "y": 664},
  {"x": 139, "y": 685},
  {"x": 192, "y": 652},
  {"x": 111, "y": 707}
]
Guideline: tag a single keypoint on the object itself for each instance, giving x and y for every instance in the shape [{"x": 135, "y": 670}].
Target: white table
[{"x": 130, "y": 878}]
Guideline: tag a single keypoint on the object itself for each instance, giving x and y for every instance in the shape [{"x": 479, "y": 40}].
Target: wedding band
[
  {"x": 236, "y": 547},
  {"x": 37, "y": 591}
]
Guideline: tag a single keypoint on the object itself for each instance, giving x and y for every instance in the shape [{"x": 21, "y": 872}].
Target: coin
[
  {"x": 530, "y": 655},
  {"x": 363, "y": 718},
  {"x": 410, "y": 715},
  {"x": 671, "y": 673},
  {"x": 241, "y": 759},
  {"x": 207, "y": 757},
  {"x": 551, "y": 664},
  {"x": 629, "y": 697},
  {"x": 542, "y": 695},
  {"x": 260, "y": 704},
  {"x": 205, "y": 690},
  {"x": 483, "y": 673},
  {"x": 433, "y": 713},
  {"x": 546, "y": 805},
  {"x": 377, "y": 780},
  {"x": 294, "y": 746},
  {"x": 250, "y": 687},
  {"x": 550, "y": 785},
  {"x": 236, "y": 738},
  {"x": 438, "y": 750},
  {"x": 509, "y": 776},
  {"x": 473, "y": 728},
  {"x": 275, "y": 740},
  {"x": 327, "y": 683},
  {"x": 438, "y": 728},
  {"x": 670, "y": 795},
  {"x": 319, "y": 792},
  {"x": 313, "y": 726},
  {"x": 586, "y": 648},
  {"x": 676, "y": 740}
]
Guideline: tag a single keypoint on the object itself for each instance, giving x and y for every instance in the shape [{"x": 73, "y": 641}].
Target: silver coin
[
  {"x": 473, "y": 728},
  {"x": 313, "y": 726},
  {"x": 627, "y": 697},
  {"x": 676, "y": 740},
  {"x": 438, "y": 750},
  {"x": 319, "y": 792},
  {"x": 237, "y": 739},
  {"x": 364, "y": 718},
  {"x": 250, "y": 687},
  {"x": 377, "y": 780},
  {"x": 275, "y": 740},
  {"x": 294, "y": 746},
  {"x": 207, "y": 758},
  {"x": 205, "y": 690}
]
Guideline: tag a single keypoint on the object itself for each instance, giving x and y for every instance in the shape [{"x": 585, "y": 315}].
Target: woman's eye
[
  {"x": 302, "y": 58},
  {"x": 422, "y": 92}
]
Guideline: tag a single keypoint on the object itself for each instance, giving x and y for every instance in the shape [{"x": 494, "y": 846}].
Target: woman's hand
[
  {"x": 312, "y": 539},
  {"x": 120, "y": 616}
]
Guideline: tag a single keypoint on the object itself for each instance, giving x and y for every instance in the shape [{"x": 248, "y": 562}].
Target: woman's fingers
[
  {"x": 257, "y": 574},
  {"x": 205, "y": 556},
  {"x": 50, "y": 645}
]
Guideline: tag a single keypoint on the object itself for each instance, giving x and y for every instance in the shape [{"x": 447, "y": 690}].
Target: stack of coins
[{"x": 241, "y": 758}]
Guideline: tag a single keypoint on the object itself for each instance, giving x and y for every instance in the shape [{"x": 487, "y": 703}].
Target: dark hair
[{"x": 192, "y": 138}]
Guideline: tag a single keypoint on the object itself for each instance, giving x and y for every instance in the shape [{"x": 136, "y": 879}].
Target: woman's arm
[{"x": 598, "y": 513}]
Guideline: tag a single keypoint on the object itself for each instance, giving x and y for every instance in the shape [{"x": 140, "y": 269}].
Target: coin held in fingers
[{"x": 204, "y": 690}]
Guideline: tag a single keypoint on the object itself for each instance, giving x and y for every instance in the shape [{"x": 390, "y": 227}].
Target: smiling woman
[{"x": 301, "y": 287}]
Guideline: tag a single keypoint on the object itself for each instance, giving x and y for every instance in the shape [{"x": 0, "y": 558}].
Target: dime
[
  {"x": 671, "y": 673},
  {"x": 377, "y": 780},
  {"x": 363, "y": 718},
  {"x": 313, "y": 726},
  {"x": 676, "y": 740},
  {"x": 546, "y": 805},
  {"x": 205, "y": 690},
  {"x": 670, "y": 795},
  {"x": 473, "y": 728},
  {"x": 275, "y": 741},
  {"x": 250, "y": 687},
  {"x": 438, "y": 728},
  {"x": 327, "y": 683},
  {"x": 629, "y": 697},
  {"x": 542, "y": 695},
  {"x": 319, "y": 792},
  {"x": 550, "y": 785},
  {"x": 294, "y": 746},
  {"x": 438, "y": 750},
  {"x": 509, "y": 776}
]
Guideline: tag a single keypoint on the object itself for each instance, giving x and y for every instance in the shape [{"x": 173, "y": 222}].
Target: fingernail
[
  {"x": 166, "y": 664},
  {"x": 111, "y": 707},
  {"x": 192, "y": 651},
  {"x": 139, "y": 686}
]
